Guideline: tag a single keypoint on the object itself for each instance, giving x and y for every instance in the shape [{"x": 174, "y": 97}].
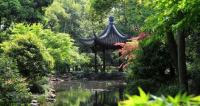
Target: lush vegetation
[
  {"x": 13, "y": 86},
  {"x": 150, "y": 100},
  {"x": 41, "y": 38},
  {"x": 31, "y": 52}
]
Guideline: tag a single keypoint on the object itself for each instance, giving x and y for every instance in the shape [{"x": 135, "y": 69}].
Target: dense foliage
[
  {"x": 59, "y": 45},
  {"x": 22, "y": 11},
  {"x": 42, "y": 37},
  {"x": 177, "y": 20},
  {"x": 150, "y": 100},
  {"x": 13, "y": 88},
  {"x": 155, "y": 52},
  {"x": 35, "y": 51},
  {"x": 32, "y": 58},
  {"x": 72, "y": 17}
]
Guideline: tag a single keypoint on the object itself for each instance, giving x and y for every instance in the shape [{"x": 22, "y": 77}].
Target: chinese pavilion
[{"x": 106, "y": 41}]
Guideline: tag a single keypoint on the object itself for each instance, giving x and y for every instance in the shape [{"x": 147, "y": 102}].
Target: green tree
[
  {"x": 175, "y": 18},
  {"x": 75, "y": 17},
  {"x": 68, "y": 16},
  {"x": 33, "y": 59},
  {"x": 59, "y": 45},
  {"x": 55, "y": 15},
  {"x": 30, "y": 11},
  {"x": 129, "y": 14}
]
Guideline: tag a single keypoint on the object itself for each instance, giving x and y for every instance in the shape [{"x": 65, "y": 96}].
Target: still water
[{"x": 89, "y": 93}]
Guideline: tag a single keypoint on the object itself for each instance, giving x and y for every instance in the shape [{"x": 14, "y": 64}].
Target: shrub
[
  {"x": 151, "y": 61},
  {"x": 193, "y": 83},
  {"x": 42, "y": 100},
  {"x": 32, "y": 58},
  {"x": 13, "y": 88},
  {"x": 39, "y": 86},
  {"x": 150, "y": 100},
  {"x": 3, "y": 36},
  {"x": 60, "y": 45},
  {"x": 168, "y": 90},
  {"x": 147, "y": 85}
]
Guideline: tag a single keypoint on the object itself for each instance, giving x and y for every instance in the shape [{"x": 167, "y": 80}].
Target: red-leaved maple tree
[{"x": 128, "y": 47}]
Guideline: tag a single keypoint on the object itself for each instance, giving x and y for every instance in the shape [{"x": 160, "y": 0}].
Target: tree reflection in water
[
  {"x": 72, "y": 97},
  {"x": 89, "y": 93}
]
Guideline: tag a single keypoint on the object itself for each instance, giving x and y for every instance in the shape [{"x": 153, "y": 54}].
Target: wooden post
[
  {"x": 104, "y": 60},
  {"x": 96, "y": 98},
  {"x": 121, "y": 93},
  {"x": 120, "y": 63},
  {"x": 95, "y": 61}
]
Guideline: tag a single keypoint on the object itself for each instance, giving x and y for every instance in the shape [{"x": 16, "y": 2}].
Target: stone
[
  {"x": 51, "y": 95},
  {"x": 34, "y": 104},
  {"x": 34, "y": 101},
  {"x": 54, "y": 79},
  {"x": 53, "y": 91},
  {"x": 50, "y": 100}
]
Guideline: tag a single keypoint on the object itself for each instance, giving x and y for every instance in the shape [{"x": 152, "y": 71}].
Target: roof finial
[{"x": 111, "y": 19}]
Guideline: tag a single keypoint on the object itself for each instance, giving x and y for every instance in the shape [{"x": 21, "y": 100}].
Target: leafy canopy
[
  {"x": 32, "y": 57},
  {"x": 178, "y": 13},
  {"x": 30, "y": 11},
  {"x": 59, "y": 45}
]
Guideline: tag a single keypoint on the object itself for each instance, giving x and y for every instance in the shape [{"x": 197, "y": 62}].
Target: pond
[{"x": 89, "y": 93}]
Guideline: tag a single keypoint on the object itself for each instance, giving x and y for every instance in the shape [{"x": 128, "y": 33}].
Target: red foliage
[
  {"x": 128, "y": 47},
  {"x": 141, "y": 36}
]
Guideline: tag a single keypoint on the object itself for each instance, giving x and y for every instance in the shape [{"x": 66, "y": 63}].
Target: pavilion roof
[{"x": 107, "y": 38}]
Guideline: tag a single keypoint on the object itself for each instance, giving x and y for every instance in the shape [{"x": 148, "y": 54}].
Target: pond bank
[{"x": 78, "y": 75}]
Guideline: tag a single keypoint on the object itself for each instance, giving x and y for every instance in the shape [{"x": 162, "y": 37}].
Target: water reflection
[
  {"x": 107, "y": 98},
  {"x": 89, "y": 93},
  {"x": 72, "y": 97}
]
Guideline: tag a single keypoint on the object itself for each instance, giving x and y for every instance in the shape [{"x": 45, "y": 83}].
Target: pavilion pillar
[
  {"x": 95, "y": 61},
  {"x": 121, "y": 93},
  {"x": 104, "y": 60},
  {"x": 120, "y": 64}
]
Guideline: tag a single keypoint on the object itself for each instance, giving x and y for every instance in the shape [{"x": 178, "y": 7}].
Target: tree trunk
[
  {"x": 181, "y": 60},
  {"x": 172, "y": 46}
]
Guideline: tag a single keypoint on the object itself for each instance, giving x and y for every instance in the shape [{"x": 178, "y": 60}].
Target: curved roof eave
[
  {"x": 107, "y": 31},
  {"x": 89, "y": 41},
  {"x": 117, "y": 32}
]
